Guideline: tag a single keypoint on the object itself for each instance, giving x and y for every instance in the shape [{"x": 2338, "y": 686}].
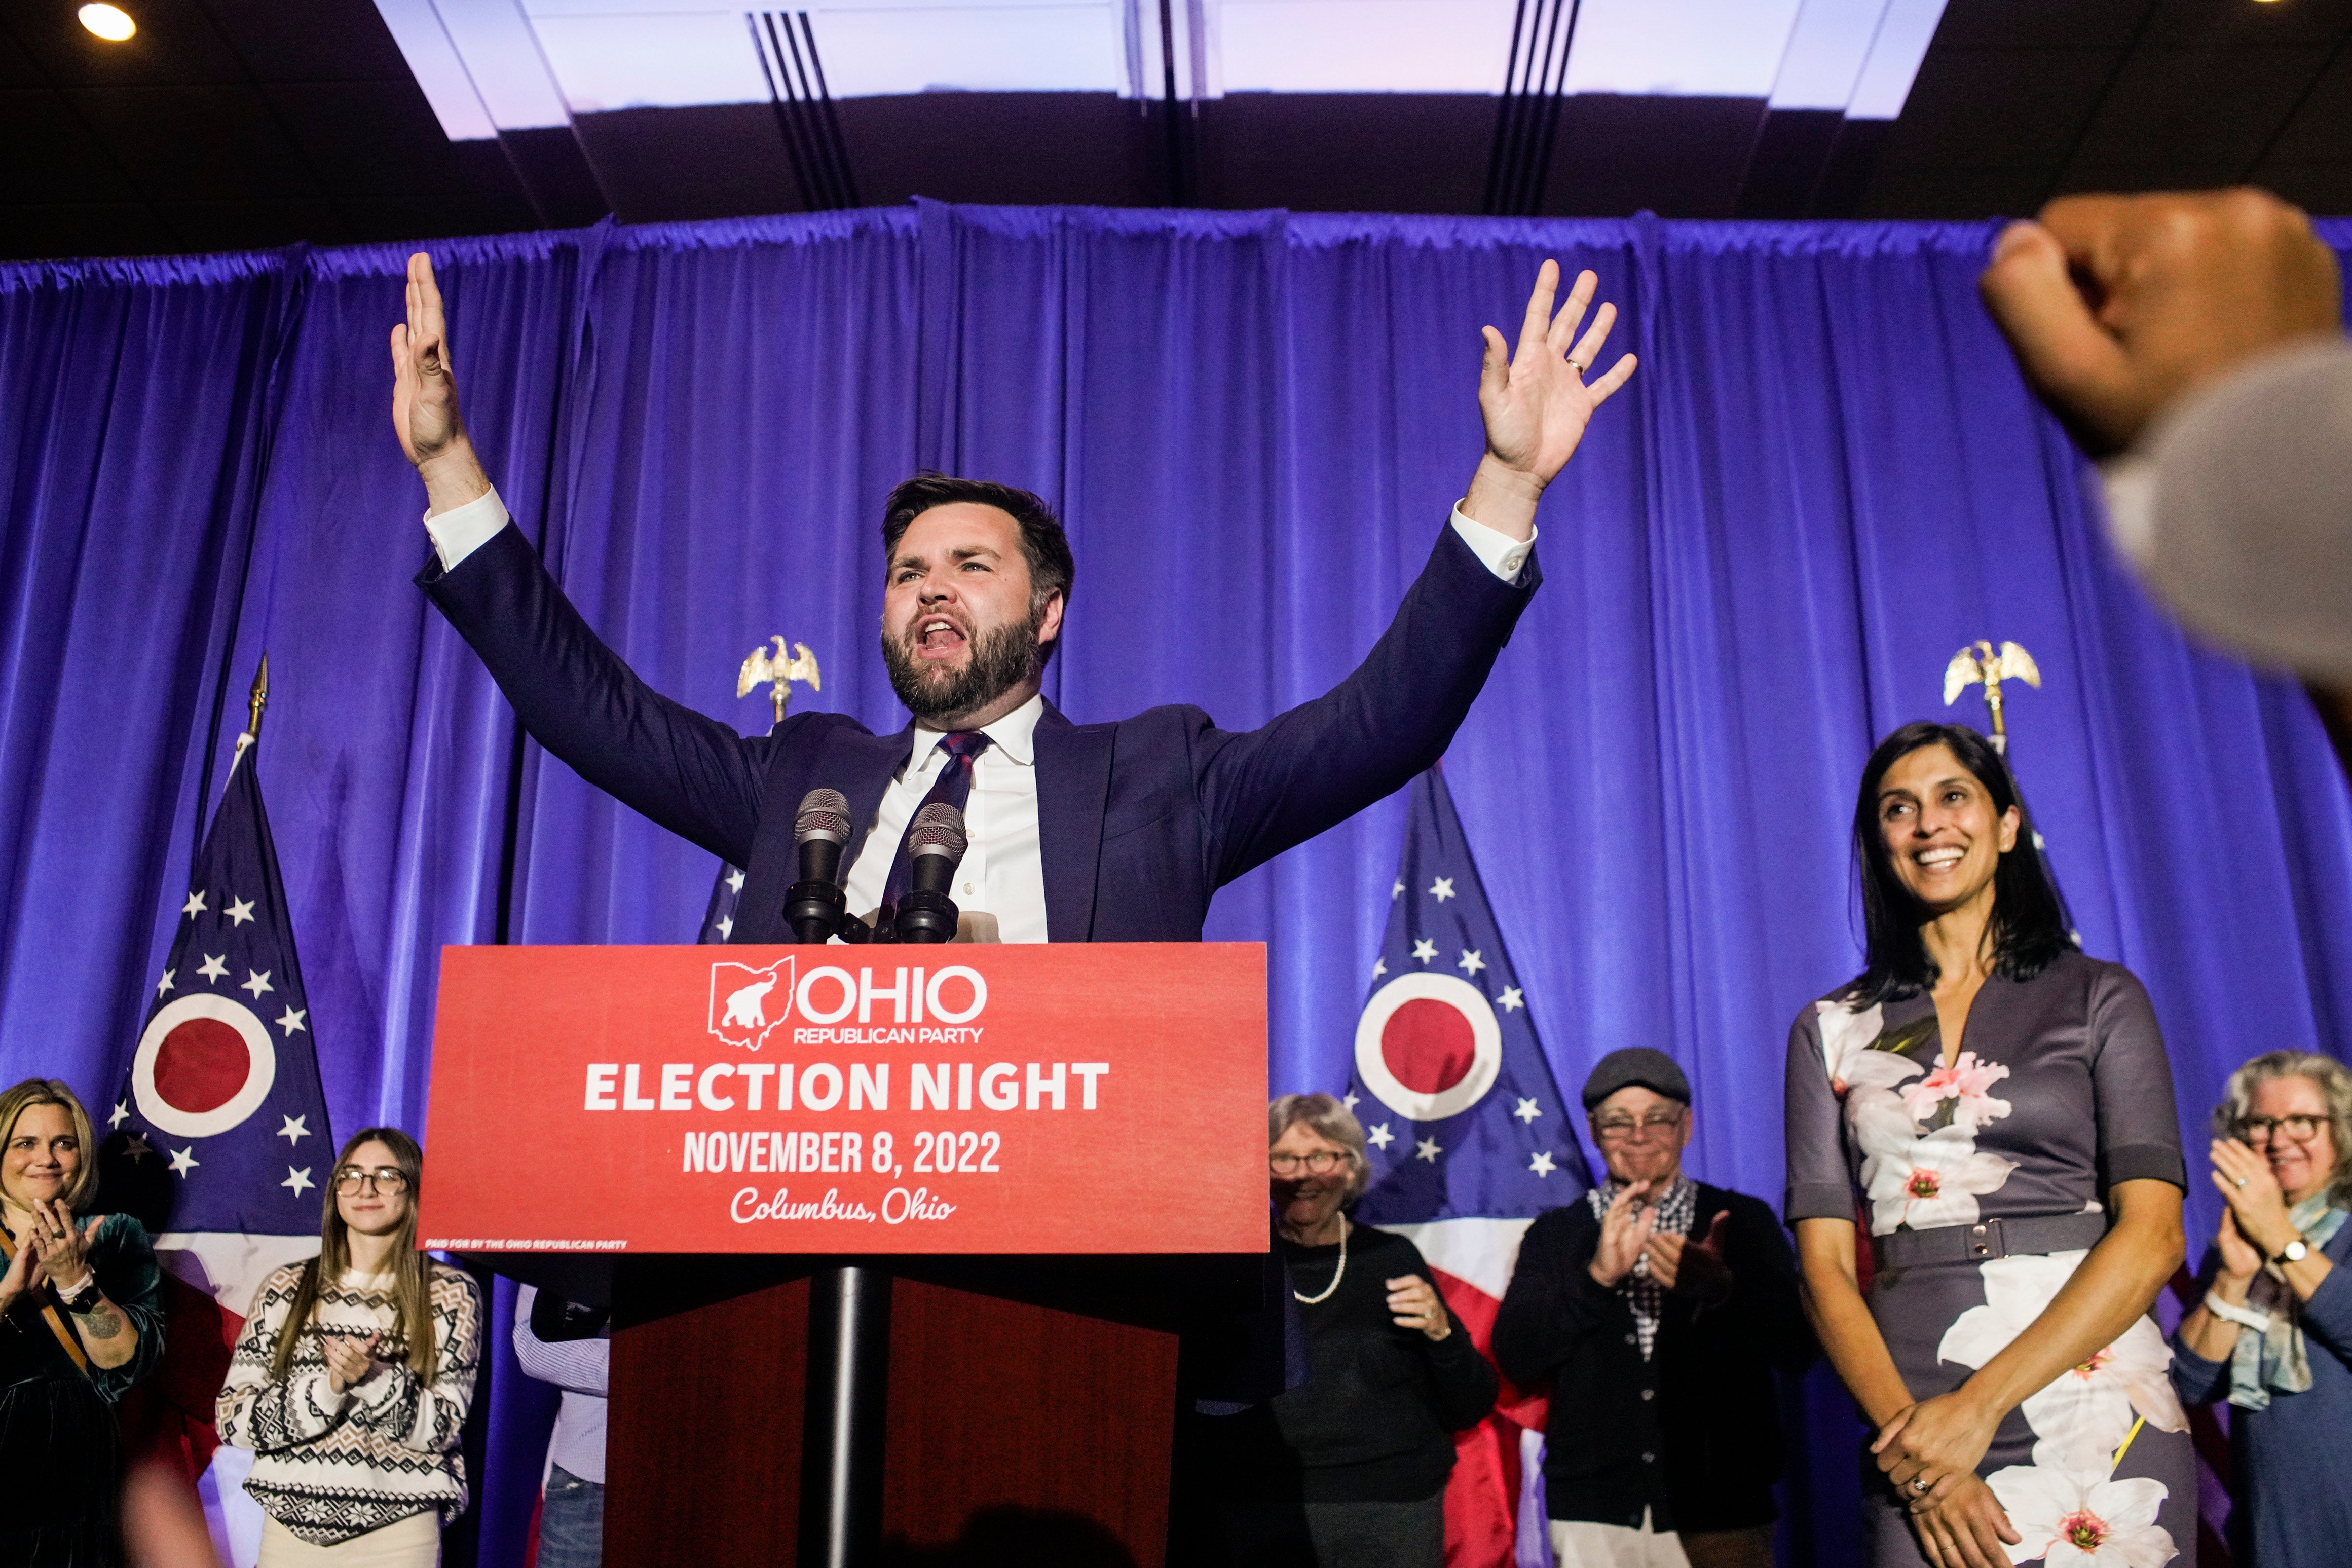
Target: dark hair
[
  {"x": 1052, "y": 568},
  {"x": 2028, "y": 928}
]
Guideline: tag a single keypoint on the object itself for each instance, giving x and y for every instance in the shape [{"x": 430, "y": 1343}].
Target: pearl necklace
[{"x": 1337, "y": 1275}]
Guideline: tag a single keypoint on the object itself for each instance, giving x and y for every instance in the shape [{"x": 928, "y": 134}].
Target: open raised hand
[
  {"x": 425, "y": 396},
  {"x": 1535, "y": 399}
]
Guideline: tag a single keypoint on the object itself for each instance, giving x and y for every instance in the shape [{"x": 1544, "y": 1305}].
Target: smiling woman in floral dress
[{"x": 1998, "y": 1108}]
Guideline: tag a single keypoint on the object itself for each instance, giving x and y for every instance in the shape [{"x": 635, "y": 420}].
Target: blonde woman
[
  {"x": 353, "y": 1379},
  {"x": 80, "y": 1322},
  {"x": 2273, "y": 1335}
]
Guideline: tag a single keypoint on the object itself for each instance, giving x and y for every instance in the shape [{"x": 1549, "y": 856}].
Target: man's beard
[{"x": 1000, "y": 659}]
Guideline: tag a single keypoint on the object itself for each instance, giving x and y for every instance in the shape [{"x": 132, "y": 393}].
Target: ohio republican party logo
[
  {"x": 1429, "y": 1046},
  {"x": 205, "y": 1064},
  {"x": 747, "y": 1003}
]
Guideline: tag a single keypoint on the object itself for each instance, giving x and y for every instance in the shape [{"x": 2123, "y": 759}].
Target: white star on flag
[
  {"x": 1398, "y": 889},
  {"x": 1424, "y": 950},
  {"x": 214, "y": 968},
  {"x": 1379, "y": 1137},
  {"x": 291, "y": 1019},
  {"x": 298, "y": 1182},
  {"x": 163, "y": 985},
  {"x": 138, "y": 1148},
  {"x": 726, "y": 925},
  {"x": 255, "y": 983},
  {"x": 1350, "y": 1100},
  {"x": 1427, "y": 1148},
  {"x": 1442, "y": 890},
  {"x": 1542, "y": 1164},
  {"x": 1470, "y": 962},
  {"x": 184, "y": 1159},
  {"x": 1379, "y": 967},
  {"x": 734, "y": 882},
  {"x": 1528, "y": 1110},
  {"x": 240, "y": 910},
  {"x": 121, "y": 1114},
  {"x": 1511, "y": 999},
  {"x": 194, "y": 906},
  {"x": 297, "y": 1128}
]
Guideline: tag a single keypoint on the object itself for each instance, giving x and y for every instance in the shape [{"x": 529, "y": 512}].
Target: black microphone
[
  {"x": 814, "y": 905},
  {"x": 935, "y": 846}
]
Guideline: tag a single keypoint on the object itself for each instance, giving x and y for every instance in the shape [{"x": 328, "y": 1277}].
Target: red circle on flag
[
  {"x": 1428, "y": 1045},
  {"x": 201, "y": 1066}
]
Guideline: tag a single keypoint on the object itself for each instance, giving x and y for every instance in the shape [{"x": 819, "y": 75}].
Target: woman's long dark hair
[
  {"x": 412, "y": 1278},
  {"x": 2028, "y": 929}
]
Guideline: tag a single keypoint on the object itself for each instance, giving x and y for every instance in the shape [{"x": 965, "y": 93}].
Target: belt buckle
[{"x": 1985, "y": 1241}]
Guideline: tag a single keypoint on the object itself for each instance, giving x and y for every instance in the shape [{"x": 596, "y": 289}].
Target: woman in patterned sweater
[{"x": 352, "y": 1378}]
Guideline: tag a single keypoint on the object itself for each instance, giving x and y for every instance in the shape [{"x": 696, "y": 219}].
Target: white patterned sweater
[{"x": 332, "y": 1465}]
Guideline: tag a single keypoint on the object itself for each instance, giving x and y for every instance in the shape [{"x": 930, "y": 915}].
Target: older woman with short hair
[
  {"x": 2274, "y": 1335},
  {"x": 1349, "y": 1466},
  {"x": 80, "y": 1320}
]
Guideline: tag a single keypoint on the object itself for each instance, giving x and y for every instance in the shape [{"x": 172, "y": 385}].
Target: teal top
[{"x": 125, "y": 1266}]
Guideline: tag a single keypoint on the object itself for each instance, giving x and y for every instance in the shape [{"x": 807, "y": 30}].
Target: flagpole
[{"x": 257, "y": 700}]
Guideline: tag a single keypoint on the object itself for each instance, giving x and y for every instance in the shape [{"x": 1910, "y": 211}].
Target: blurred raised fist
[{"x": 2117, "y": 305}]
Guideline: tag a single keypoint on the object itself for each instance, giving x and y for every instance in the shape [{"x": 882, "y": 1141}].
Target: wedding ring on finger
[
  {"x": 1575, "y": 366},
  {"x": 1918, "y": 1485},
  {"x": 2240, "y": 1182}
]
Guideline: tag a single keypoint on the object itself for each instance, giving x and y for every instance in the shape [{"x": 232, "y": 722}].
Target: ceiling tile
[
  {"x": 311, "y": 40},
  {"x": 207, "y": 143},
  {"x": 378, "y": 139},
  {"x": 2039, "y": 23},
  {"x": 2202, "y": 114},
  {"x": 53, "y": 157},
  {"x": 1980, "y": 108},
  {"x": 256, "y": 225},
  {"x": 176, "y": 43},
  {"x": 83, "y": 228}
]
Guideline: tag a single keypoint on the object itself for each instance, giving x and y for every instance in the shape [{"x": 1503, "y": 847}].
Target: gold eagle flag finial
[
  {"x": 779, "y": 670},
  {"x": 1978, "y": 664}
]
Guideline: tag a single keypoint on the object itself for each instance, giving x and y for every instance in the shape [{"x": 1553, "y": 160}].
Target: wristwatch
[{"x": 2293, "y": 1252}]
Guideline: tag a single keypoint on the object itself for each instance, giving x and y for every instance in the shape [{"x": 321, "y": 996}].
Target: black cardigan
[
  {"x": 1693, "y": 1435},
  {"x": 1373, "y": 1422}
]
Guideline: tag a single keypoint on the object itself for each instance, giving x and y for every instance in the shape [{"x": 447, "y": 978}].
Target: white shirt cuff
[
  {"x": 1504, "y": 555},
  {"x": 459, "y": 531}
]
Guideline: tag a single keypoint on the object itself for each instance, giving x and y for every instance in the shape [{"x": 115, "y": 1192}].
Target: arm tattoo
[{"x": 101, "y": 1323}]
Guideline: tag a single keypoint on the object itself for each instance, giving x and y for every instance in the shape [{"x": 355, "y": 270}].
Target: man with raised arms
[{"x": 1097, "y": 832}]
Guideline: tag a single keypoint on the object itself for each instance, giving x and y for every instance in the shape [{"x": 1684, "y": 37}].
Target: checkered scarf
[{"x": 1676, "y": 1211}]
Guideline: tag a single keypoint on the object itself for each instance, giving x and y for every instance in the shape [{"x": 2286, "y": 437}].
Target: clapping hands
[
  {"x": 1626, "y": 1227},
  {"x": 349, "y": 1359}
]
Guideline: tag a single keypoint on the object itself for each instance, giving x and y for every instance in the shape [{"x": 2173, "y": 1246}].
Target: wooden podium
[{"x": 900, "y": 1241}]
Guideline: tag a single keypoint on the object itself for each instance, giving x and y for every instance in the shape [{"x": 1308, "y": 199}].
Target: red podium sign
[{"x": 967, "y": 1099}]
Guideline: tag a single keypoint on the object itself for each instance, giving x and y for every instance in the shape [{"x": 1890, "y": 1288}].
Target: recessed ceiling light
[{"x": 111, "y": 23}]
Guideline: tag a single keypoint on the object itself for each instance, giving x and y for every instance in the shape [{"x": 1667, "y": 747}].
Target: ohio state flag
[
  {"x": 219, "y": 1138},
  {"x": 1469, "y": 1140}
]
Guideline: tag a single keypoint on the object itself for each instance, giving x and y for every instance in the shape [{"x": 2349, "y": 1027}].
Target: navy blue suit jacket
[{"x": 1139, "y": 821}]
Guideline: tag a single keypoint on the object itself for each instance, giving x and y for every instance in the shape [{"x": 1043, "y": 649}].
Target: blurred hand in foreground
[{"x": 2117, "y": 305}]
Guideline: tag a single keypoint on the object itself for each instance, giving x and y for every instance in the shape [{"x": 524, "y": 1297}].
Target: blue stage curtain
[{"x": 1825, "y": 479}]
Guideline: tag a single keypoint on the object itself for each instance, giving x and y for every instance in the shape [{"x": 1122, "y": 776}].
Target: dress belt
[{"x": 1994, "y": 1239}]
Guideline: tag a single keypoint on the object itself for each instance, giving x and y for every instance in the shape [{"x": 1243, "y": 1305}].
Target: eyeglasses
[
  {"x": 382, "y": 1179},
  {"x": 2296, "y": 1128},
  {"x": 1612, "y": 1128},
  {"x": 1321, "y": 1163}
]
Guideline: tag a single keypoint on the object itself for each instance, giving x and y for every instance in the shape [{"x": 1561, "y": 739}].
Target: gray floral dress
[{"x": 2062, "y": 1091}]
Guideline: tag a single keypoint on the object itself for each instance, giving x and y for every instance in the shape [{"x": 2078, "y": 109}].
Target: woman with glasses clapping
[
  {"x": 352, "y": 1378},
  {"x": 2273, "y": 1336},
  {"x": 1351, "y": 1466}
]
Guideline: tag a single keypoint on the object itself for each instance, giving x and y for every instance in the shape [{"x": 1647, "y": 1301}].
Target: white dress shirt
[
  {"x": 583, "y": 1369},
  {"x": 1001, "y": 885}
]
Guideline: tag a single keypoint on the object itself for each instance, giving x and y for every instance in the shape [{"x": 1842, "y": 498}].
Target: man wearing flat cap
[{"x": 1657, "y": 1307}]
